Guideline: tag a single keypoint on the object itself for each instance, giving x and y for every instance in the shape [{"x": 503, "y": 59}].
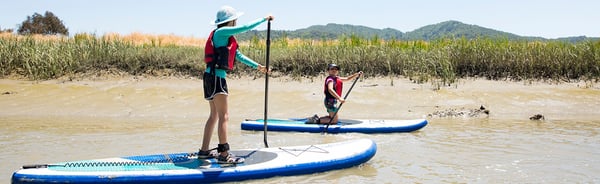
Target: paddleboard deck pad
[
  {"x": 187, "y": 168},
  {"x": 343, "y": 126}
]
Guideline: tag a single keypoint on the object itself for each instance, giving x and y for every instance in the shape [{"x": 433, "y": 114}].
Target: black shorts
[
  {"x": 330, "y": 104},
  {"x": 214, "y": 85}
]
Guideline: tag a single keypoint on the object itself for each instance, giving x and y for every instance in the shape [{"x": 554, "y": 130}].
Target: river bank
[
  {"x": 64, "y": 120},
  {"x": 139, "y": 96}
]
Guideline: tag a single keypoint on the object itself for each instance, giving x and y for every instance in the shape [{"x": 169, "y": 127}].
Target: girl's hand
[
  {"x": 263, "y": 69},
  {"x": 270, "y": 17}
]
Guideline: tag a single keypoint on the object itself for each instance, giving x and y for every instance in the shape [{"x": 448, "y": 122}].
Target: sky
[{"x": 544, "y": 18}]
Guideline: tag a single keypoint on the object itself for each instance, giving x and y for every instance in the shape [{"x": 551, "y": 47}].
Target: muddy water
[{"x": 53, "y": 121}]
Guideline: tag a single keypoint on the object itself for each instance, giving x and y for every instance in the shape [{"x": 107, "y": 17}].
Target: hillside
[
  {"x": 332, "y": 31},
  {"x": 458, "y": 29},
  {"x": 430, "y": 32},
  {"x": 328, "y": 32}
]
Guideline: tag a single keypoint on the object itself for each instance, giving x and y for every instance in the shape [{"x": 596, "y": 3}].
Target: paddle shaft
[
  {"x": 338, "y": 110},
  {"x": 267, "y": 82}
]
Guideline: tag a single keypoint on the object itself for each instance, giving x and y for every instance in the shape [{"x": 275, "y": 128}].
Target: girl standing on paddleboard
[{"x": 220, "y": 54}]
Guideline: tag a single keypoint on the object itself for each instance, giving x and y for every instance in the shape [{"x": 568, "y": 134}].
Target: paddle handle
[{"x": 267, "y": 83}]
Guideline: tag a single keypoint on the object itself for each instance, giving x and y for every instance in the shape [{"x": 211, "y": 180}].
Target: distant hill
[
  {"x": 333, "y": 31},
  {"x": 459, "y": 29},
  {"x": 328, "y": 32},
  {"x": 430, "y": 32}
]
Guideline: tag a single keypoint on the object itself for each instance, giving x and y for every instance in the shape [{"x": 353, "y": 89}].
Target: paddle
[
  {"x": 267, "y": 82},
  {"x": 338, "y": 110}
]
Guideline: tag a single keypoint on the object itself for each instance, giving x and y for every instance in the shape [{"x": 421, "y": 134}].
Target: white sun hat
[{"x": 226, "y": 14}]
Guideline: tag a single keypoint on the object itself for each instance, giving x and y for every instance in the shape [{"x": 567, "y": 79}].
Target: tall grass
[
  {"x": 442, "y": 60},
  {"x": 52, "y": 58}
]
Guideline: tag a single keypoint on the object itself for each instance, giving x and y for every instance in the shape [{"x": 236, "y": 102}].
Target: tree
[
  {"x": 46, "y": 24},
  {"x": 5, "y": 30}
]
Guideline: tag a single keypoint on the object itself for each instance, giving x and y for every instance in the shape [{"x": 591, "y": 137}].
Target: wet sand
[
  {"x": 57, "y": 120},
  {"x": 138, "y": 97}
]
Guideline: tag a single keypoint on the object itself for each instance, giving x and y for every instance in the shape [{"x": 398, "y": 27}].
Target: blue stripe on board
[
  {"x": 299, "y": 126},
  {"x": 206, "y": 175}
]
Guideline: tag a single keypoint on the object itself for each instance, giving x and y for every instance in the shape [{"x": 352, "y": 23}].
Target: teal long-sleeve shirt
[{"x": 221, "y": 38}]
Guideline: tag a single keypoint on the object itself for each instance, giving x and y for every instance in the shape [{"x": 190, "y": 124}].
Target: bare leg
[
  {"x": 221, "y": 105},
  {"x": 210, "y": 126},
  {"x": 335, "y": 119},
  {"x": 326, "y": 119}
]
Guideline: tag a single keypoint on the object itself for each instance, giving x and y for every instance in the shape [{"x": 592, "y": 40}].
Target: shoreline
[
  {"x": 165, "y": 74},
  {"x": 115, "y": 96}
]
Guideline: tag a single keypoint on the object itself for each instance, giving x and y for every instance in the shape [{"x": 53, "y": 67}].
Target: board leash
[{"x": 114, "y": 164}]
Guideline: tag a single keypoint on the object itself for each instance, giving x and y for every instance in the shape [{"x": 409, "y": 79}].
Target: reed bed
[
  {"x": 41, "y": 59},
  {"x": 443, "y": 60}
]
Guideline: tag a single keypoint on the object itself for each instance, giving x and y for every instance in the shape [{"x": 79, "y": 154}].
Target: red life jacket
[
  {"x": 337, "y": 86},
  {"x": 220, "y": 57}
]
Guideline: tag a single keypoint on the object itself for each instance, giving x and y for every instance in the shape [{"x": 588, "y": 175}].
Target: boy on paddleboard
[
  {"x": 333, "y": 94},
  {"x": 220, "y": 54}
]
